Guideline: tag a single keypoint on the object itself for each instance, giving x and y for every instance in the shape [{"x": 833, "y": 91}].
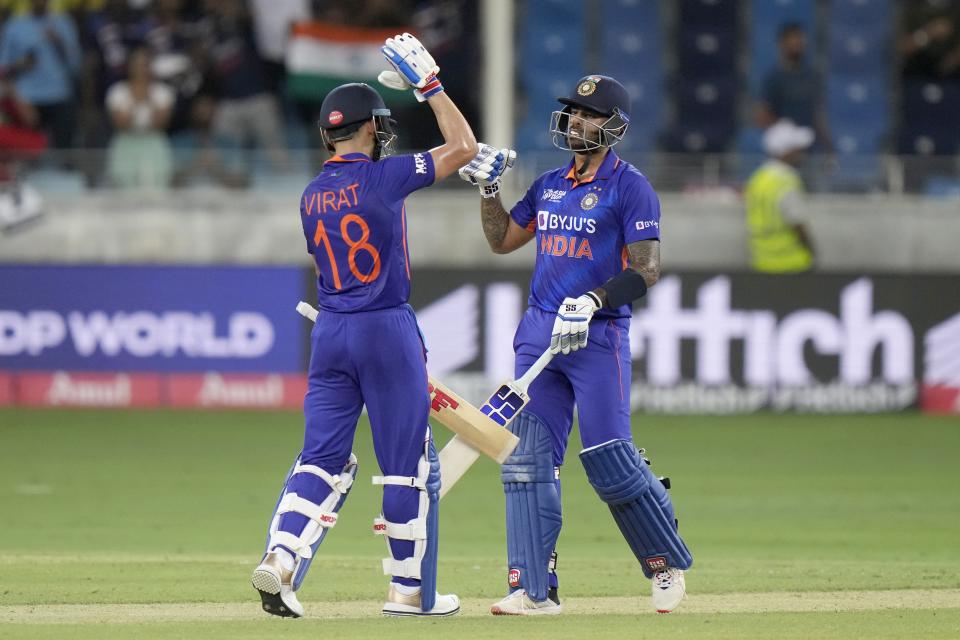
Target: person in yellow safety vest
[{"x": 779, "y": 240}]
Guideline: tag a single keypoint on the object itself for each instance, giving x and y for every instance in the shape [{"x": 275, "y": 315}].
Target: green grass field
[{"x": 147, "y": 525}]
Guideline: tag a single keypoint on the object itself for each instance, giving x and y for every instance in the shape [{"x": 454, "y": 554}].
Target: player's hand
[
  {"x": 413, "y": 66},
  {"x": 394, "y": 80},
  {"x": 487, "y": 167},
  {"x": 572, "y": 325}
]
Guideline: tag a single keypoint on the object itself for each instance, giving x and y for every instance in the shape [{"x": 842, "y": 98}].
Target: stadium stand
[{"x": 631, "y": 51}]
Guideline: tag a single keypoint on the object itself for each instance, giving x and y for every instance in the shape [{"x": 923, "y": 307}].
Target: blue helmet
[
  {"x": 602, "y": 95},
  {"x": 347, "y": 107}
]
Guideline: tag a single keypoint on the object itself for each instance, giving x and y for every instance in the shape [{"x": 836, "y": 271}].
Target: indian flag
[{"x": 321, "y": 56}]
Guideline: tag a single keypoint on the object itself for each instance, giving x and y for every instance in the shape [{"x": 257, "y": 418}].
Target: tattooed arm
[
  {"x": 643, "y": 257},
  {"x": 503, "y": 234}
]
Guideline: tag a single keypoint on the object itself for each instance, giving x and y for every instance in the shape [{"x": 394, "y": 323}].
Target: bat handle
[
  {"x": 534, "y": 370},
  {"x": 307, "y": 311}
]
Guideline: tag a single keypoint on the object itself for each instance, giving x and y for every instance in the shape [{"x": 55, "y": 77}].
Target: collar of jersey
[
  {"x": 609, "y": 165},
  {"x": 350, "y": 157}
]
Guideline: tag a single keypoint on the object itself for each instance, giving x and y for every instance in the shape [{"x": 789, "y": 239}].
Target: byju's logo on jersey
[
  {"x": 646, "y": 224},
  {"x": 421, "y": 163},
  {"x": 547, "y": 221},
  {"x": 553, "y": 195}
]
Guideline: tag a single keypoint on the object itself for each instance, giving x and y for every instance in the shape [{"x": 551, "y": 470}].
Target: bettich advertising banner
[{"x": 729, "y": 343}]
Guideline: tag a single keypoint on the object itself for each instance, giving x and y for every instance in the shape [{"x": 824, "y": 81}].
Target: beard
[{"x": 578, "y": 142}]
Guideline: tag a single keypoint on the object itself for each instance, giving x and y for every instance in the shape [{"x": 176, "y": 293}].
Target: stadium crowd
[{"x": 172, "y": 92}]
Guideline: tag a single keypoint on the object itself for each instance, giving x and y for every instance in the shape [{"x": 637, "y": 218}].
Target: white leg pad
[
  {"x": 322, "y": 516},
  {"x": 415, "y": 529}
]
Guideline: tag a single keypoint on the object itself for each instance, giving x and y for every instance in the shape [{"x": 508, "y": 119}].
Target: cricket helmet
[
  {"x": 603, "y": 95},
  {"x": 346, "y": 108}
]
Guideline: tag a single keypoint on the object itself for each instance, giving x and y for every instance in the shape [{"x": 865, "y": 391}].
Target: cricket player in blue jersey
[
  {"x": 596, "y": 223},
  {"x": 366, "y": 348}
]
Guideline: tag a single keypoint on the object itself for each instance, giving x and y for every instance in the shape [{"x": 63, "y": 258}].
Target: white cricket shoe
[
  {"x": 400, "y": 604},
  {"x": 275, "y": 584},
  {"x": 519, "y": 603},
  {"x": 668, "y": 589}
]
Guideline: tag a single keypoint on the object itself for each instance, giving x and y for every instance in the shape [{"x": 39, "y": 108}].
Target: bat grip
[
  {"x": 307, "y": 311},
  {"x": 534, "y": 370}
]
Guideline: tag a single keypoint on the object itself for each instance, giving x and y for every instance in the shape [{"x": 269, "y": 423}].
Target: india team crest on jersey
[{"x": 589, "y": 201}]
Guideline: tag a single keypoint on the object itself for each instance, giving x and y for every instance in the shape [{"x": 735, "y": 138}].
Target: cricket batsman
[
  {"x": 366, "y": 348},
  {"x": 596, "y": 223}
]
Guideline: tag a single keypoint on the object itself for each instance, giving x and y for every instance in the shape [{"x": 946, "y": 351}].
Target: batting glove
[
  {"x": 413, "y": 67},
  {"x": 487, "y": 167},
  {"x": 571, "y": 328}
]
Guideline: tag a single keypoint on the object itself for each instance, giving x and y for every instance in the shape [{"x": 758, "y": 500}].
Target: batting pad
[
  {"x": 317, "y": 502},
  {"x": 423, "y": 530},
  {"x": 533, "y": 506},
  {"x": 639, "y": 504}
]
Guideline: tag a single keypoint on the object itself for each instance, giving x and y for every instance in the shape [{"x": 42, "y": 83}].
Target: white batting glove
[
  {"x": 572, "y": 325},
  {"x": 413, "y": 67},
  {"x": 487, "y": 167}
]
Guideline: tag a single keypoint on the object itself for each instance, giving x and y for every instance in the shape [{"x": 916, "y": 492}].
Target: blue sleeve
[
  {"x": 524, "y": 213},
  {"x": 7, "y": 49},
  {"x": 71, "y": 43},
  {"x": 640, "y": 209},
  {"x": 303, "y": 221},
  {"x": 397, "y": 177}
]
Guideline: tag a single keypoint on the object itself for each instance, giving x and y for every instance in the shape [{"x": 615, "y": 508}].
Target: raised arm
[
  {"x": 502, "y": 233},
  {"x": 459, "y": 144},
  {"x": 414, "y": 68},
  {"x": 485, "y": 171}
]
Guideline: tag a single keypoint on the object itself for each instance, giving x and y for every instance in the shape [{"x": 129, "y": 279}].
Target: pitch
[{"x": 123, "y": 524}]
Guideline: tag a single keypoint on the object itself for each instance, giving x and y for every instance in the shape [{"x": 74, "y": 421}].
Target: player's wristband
[
  {"x": 432, "y": 88},
  {"x": 624, "y": 288},
  {"x": 489, "y": 190}
]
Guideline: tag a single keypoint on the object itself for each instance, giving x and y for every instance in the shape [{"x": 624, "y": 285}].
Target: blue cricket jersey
[
  {"x": 355, "y": 225},
  {"x": 582, "y": 229}
]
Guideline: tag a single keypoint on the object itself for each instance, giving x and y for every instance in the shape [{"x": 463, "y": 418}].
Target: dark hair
[{"x": 790, "y": 28}]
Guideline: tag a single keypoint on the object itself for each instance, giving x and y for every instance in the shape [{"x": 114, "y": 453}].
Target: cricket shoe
[
  {"x": 401, "y": 604},
  {"x": 519, "y": 603},
  {"x": 668, "y": 589},
  {"x": 275, "y": 584}
]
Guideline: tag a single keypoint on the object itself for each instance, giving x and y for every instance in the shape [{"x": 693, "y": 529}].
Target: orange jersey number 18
[{"x": 355, "y": 246}]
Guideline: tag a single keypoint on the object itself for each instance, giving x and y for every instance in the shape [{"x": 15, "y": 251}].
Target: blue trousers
[
  {"x": 595, "y": 379},
  {"x": 377, "y": 359}
]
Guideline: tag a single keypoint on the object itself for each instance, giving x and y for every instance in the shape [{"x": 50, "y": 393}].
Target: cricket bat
[
  {"x": 501, "y": 407},
  {"x": 510, "y": 399},
  {"x": 475, "y": 433}
]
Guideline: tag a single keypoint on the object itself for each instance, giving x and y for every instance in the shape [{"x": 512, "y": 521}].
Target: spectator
[
  {"x": 113, "y": 32},
  {"x": 140, "y": 107},
  {"x": 793, "y": 90},
  {"x": 42, "y": 53},
  {"x": 246, "y": 111},
  {"x": 178, "y": 61},
  {"x": 272, "y": 20},
  {"x": 779, "y": 240},
  {"x": 930, "y": 44},
  {"x": 19, "y": 141}
]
